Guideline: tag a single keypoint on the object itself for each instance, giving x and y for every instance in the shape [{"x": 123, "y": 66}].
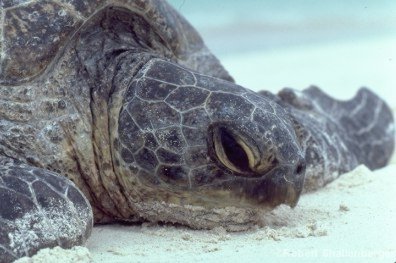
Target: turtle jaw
[
  {"x": 282, "y": 185},
  {"x": 237, "y": 204}
]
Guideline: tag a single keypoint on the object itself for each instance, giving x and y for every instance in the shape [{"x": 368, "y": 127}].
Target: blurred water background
[
  {"x": 244, "y": 25},
  {"x": 339, "y": 45}
]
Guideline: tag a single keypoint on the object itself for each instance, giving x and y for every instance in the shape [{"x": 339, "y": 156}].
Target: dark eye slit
[{"x": 234, "y": 152}]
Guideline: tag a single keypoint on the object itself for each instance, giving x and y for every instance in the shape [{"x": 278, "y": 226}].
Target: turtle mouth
[{"x": 235, "y": 151}]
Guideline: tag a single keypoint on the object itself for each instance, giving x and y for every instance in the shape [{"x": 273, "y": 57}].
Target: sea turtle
[{"x": 119, "y": 106}]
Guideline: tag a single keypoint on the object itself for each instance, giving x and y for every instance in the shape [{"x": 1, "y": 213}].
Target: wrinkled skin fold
[{"x": 125, "y": 115}]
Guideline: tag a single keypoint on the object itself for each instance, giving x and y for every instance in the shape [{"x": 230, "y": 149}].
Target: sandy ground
[{"x": 351, "y": 219}]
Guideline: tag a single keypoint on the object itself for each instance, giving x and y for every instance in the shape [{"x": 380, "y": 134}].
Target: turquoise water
[{"x": 236, "y": 26}]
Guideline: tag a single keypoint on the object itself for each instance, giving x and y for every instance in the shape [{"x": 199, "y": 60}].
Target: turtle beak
[
  {"x": 292, "y": 196},
  {"x": 283, "y": 185},
  {"x": 294, "y": 180}
]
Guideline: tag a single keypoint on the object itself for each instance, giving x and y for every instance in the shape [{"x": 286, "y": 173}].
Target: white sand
[{"x": 352, "y": 219}]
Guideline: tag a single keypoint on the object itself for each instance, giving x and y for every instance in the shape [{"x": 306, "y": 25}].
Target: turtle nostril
[{"x": 300, "y": 168}]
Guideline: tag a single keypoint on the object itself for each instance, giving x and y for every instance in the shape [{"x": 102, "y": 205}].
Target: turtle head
[{"x": 188, "y": 139}]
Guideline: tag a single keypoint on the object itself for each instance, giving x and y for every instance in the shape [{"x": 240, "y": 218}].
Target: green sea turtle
[{"x": 114, "y": 110}]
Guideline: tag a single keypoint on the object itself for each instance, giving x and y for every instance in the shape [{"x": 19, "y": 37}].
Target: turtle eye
[{"x": 232, "y": 152}]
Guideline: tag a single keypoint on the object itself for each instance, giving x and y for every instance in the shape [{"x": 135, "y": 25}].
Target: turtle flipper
[
  {"x": 39, "y": 209},
  {"x": 339, "y": 135},
  {"x": 367, "y": 120}
]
